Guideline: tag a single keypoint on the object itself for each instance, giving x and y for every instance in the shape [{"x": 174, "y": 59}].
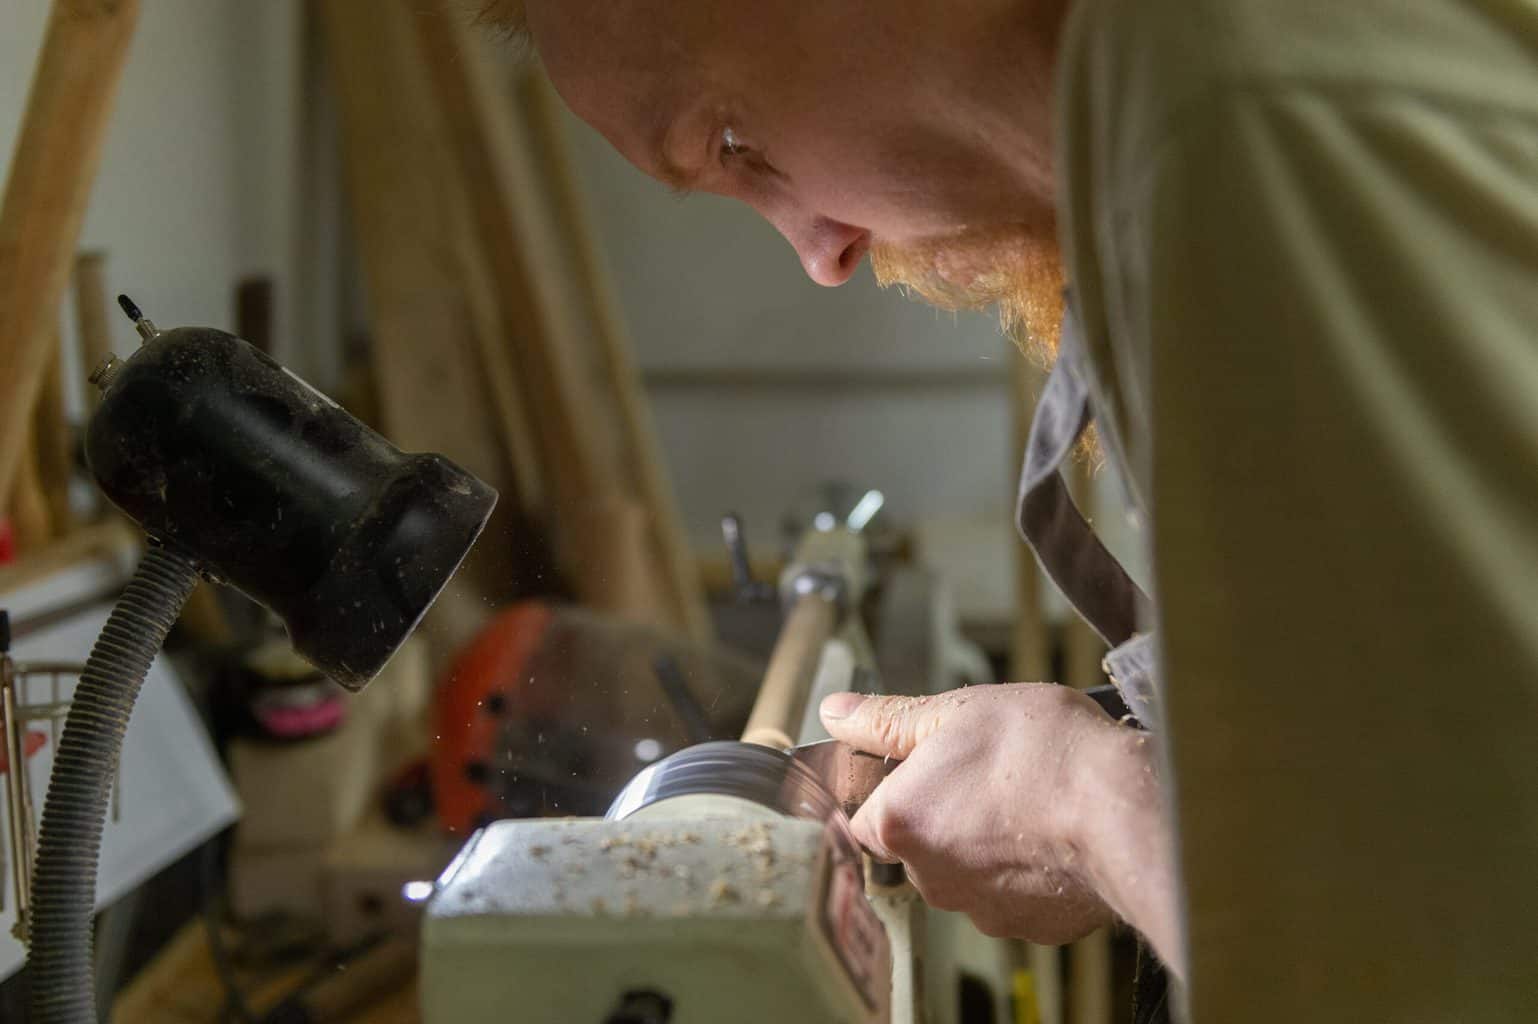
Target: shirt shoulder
[
  {"x": 1175, "y": 116},
  {"x": 1129, "y": 69}
]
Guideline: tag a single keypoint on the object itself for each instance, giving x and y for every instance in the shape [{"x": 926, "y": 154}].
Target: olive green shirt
[{"x": 1303, "y": 241}]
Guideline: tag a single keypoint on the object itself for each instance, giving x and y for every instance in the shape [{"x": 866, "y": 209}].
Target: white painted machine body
[{"x": 730, "y": 919}]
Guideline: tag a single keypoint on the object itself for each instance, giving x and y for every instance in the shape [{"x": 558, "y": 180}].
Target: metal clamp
[
  {"x": 17, "y": 713},
  {"x": 817, "y": 581},
  {"x": 747, "y": 589}
]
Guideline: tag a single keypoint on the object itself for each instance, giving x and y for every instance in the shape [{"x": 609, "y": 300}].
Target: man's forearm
[{"x": 1128, "y": 844}]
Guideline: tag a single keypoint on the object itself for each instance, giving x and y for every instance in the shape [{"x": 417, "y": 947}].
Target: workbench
[{"x": 181, "y": 986}]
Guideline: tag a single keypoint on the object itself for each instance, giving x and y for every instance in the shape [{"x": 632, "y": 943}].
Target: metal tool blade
[{"x": 850, "y": 775}]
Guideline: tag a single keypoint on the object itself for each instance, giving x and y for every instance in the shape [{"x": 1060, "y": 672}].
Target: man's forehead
[
  {"x": 634, "y": 116},
  {"x": 634, "y": 68},
  {"x": 618, "y": 84}
]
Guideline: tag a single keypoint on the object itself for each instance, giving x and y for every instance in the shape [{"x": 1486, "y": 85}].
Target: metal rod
[
  {"x": 865, "y": 510},
  {"x": 37, "y": 668},
  {"x": 3, "y": 857},
  {"x": 38, "y": 712},
  {"x": 737, "y": 551},
  {"x": 16, "y": 799},
  {"x": 7, "y": 670},
  {"x": 28, "y": 818},
  {"x": 676, "y": 688},
  {"x": 15, "y": 677}
]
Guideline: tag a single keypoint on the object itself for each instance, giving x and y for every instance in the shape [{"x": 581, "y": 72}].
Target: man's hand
[{"x": 1025, "y": 807}]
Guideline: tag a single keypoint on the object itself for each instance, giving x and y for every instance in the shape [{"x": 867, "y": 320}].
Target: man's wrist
[
  {"x": 1113, "y": 779},
  {"x": 1125, "y": 839}
]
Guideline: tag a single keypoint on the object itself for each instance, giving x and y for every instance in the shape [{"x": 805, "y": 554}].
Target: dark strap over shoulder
[{"x": 1088, "y": 575}]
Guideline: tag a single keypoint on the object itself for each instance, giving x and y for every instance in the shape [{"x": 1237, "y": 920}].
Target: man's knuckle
[{"x": 894, "y": 829}]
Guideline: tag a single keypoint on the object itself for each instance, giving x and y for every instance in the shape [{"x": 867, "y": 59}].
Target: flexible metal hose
[{"x": 64, "y": 879}]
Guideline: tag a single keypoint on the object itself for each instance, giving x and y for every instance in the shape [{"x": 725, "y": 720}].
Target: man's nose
[{"x": 830, "y": 250}]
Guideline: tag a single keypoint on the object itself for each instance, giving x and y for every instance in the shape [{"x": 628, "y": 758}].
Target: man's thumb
[{"x": 889, "y": 726}]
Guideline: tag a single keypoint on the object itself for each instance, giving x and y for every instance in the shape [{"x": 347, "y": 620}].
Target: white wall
[{"x": 195, "y": 186}]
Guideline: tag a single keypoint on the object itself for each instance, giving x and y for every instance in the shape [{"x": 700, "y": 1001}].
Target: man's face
[{"x": 913, "y": 130}]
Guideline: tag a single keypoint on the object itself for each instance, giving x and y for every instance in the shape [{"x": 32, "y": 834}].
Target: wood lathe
[{"x": 723, "y": 884}]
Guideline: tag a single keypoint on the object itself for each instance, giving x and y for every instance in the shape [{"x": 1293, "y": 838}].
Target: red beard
[{"x": 1015, "y": 268}]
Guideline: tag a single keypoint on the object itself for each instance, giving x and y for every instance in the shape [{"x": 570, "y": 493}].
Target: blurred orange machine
[{"x": 551, "y": 709}]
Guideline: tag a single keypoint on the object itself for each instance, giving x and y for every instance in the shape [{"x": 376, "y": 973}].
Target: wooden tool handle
[{"x": 782, "y": 698}]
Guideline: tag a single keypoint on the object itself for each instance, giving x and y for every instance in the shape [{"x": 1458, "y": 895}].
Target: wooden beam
[
  {"x": 54, "y": 443},
  {"x": 52, "y": 169},
  {"x": 253, "y": 311},
  {"x": 1089, "y": 980},
  {"x": 30, "y": 521},
  {"x": 519, "y": 429},
  {"x": 618, "y": 534},
  {"x": 39, "y": 507},
  {"x": 622, "y": 380},
  {"x": 92, "y": 314},
  {"x": 401, "y": 196},
  {"x": 406, "y": 201},
  {"x": 108, "y": 538},
  {"x": 502, "y": 184}
]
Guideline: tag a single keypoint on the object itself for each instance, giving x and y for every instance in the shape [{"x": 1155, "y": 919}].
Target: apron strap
[
  {"x": 1088, "y": 575},
  {"x": 1090, "y": 578}
]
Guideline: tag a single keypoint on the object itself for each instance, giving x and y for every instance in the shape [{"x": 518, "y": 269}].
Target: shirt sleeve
[{"x": 1325, "y": 306}]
